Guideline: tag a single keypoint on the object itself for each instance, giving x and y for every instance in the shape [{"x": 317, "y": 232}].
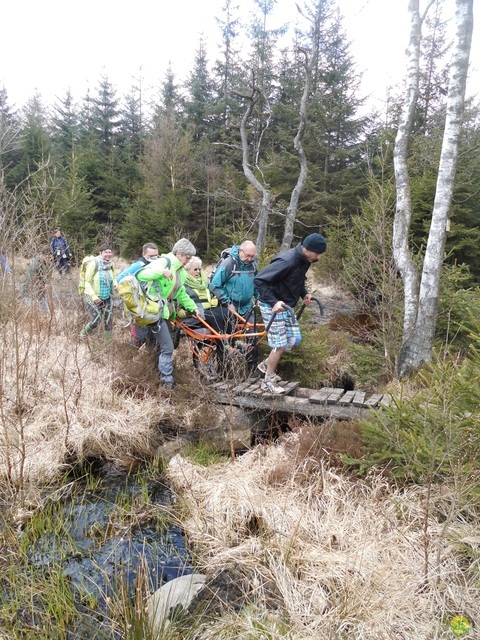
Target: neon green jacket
[{"x": 169, "y": 290}]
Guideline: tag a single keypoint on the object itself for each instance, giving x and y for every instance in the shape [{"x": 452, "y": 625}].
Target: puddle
[{"x": 101, "y": 542}]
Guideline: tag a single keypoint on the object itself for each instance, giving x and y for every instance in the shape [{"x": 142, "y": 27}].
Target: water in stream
[{"x": 114, "y": 530}]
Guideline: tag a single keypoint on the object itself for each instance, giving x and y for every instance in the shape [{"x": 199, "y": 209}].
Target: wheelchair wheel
[{"x": 205, "y": 360}]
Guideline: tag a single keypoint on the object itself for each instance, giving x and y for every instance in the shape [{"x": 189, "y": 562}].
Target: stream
[{"x": 107, "y": 536}]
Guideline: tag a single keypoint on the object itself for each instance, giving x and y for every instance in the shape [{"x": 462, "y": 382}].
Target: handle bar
[{"x": 321, "y": 308}]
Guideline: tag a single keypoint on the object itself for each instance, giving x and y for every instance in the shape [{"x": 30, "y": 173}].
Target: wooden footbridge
[{"x": 325, "y": 403}]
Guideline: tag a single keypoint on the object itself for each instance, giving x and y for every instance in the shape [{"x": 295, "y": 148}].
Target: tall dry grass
[
  {"x": 63, "y": 400},
  {"x": 346, "y": 556}
]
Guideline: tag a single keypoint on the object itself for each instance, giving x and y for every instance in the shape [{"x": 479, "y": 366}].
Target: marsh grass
[{"x": 347, "y": 556}]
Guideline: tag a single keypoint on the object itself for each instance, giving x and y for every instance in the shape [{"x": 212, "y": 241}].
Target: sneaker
[
  {"x": 262, "y": 366},
  {"x": 269, "y": 386}
]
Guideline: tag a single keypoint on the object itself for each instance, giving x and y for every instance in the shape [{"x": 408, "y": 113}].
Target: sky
[{"x": 50, "y": 46}]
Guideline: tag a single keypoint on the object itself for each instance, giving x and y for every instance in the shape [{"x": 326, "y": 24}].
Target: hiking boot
[
  {"x": 268, "y": 386},
  {"x": 262, "y": 366}
]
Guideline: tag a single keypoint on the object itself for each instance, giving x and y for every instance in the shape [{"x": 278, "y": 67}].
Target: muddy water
[{"x": 97, "y": 557}]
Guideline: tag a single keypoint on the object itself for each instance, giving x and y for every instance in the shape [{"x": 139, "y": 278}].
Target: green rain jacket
[{"x": 170, "y": 290}]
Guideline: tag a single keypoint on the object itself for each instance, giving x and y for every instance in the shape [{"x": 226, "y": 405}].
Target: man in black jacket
[{"x": 283, "y": 282}]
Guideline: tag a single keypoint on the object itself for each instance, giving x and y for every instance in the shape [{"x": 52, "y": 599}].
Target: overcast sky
[{"x": 50, "y": 46}]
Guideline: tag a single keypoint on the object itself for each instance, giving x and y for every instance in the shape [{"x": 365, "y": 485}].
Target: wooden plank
[
  {"x": 359, "y": 399},
  {"x": 244, "y": 387},
  {"x": 374, "y": 400},
  {"x": 321, "y": 395},
  {"x": 386, "y": 399},
  {"x": 347, "y": 398},
  {"x": 289, "y": 386},
  {"x": 335, "y": 396}
]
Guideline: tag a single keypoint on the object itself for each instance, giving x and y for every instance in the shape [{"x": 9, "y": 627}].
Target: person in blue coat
[
  {"x": 60, "y": 251},
  {"x": 233, "y": 280},
  {"x": 140, "y": 335}
]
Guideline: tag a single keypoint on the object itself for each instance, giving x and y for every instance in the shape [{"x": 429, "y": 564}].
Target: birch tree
[
  {"x": 309, "y": 60},
  {"x": 421, "y": 289}
]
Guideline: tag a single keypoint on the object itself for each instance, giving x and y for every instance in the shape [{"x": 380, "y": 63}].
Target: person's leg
[
  {"x": 165, "y": 359},
  {"x": 277, "y": 340},
  {"x": 95, "y": 317}
]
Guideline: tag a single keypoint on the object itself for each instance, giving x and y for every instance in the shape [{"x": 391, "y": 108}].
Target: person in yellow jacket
[
  {"x": 166, "y": 277},
  {"x": 196, "y": 285},
  {"x": 99, "y": 287}
]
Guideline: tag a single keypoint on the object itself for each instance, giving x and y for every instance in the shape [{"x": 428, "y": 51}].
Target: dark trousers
[{"x": 96, "y": 312}]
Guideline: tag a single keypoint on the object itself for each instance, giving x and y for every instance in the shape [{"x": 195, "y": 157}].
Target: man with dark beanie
[{"x": 283, "y": 282}]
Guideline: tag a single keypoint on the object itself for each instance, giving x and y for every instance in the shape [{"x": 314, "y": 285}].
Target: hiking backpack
[
  {"x": 138, "y": 308},
  {"x": 232, "y": 266},
  {"x": 83, "y": 267},
  {"x": 226, "y": 253}
]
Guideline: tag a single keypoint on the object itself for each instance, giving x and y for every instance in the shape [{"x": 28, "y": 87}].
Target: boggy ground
[{"x": 318, "y": 553}]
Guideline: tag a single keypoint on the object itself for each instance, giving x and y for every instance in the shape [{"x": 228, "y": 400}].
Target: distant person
[
  {"x": 99, "y": 289},
  {"x": 36, "y": 290},
  {"x": 282, "y": 282},
  {"x": 61, "y": 252},
  {"x": 6, "y": 268},
  {"x": 166, "y": 277},
  {"x": 140, "y": 335}
]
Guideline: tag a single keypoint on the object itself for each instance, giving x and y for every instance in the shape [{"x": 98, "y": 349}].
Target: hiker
[
  {"x": 60, "y": 251},
  {"x": 279, "y": 283},
  {"x": 166, "y": 277},
  {"x": 196, "y": 285},
  {"x": 233, "y": 284},
  {"x": 233, "y": 280},
  {"x": 5, "y": 266},
  {"x": 35, "y": 286},
  {"x": 99, "y": 287},
  {"x": 140, "y": 335}
]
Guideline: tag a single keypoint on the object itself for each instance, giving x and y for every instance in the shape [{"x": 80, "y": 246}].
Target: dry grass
[
  {"x": 347, "y": 556},
  {"x": 63, "y": 400}
]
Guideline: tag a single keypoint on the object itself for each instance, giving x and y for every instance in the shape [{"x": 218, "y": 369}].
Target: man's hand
[
  {"x": 278, "y": 307},
  {"x": 308, "y": 299},
  {"x": 97, "y": 301},
  {"x": 231, "y": 308},
  {"x": 167, "y": 274}
]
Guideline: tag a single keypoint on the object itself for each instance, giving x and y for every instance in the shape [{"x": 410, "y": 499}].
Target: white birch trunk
[
  {"x": 401, "y": 224},
  {"x": 297, "y": 143},
  {"x": 418, "y": 343}
]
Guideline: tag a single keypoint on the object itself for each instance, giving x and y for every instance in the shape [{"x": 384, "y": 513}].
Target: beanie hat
[{"x": 315, "y": 242}]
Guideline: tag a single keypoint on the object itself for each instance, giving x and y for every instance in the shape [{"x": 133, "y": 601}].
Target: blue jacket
[
  {"x": 59, "y": 246},
  {"x": 233, "y": 282},
  {"x": 284, "y": 278},
  {"x": 132, "y": 269}
]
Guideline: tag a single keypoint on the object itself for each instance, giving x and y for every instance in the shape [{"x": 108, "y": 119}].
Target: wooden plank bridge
[{"x": 325, "y": 403}]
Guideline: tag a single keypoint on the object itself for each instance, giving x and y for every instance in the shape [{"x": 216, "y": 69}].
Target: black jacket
[{"x": 284, "y": 278}]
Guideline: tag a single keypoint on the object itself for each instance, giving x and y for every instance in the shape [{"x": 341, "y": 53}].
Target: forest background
[{"x": 114, "y": 168}]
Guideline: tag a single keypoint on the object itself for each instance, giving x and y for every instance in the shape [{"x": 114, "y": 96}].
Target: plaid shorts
[{"x": 283, "y": 332}]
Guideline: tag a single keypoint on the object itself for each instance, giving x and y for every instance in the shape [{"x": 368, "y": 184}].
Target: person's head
[
  {"x": 247, "y": 251},
  {"x": 183, "y": 249},
  {"x": 313, "y": 246},
  {"x": 150, "y": 251},
  {"x": 193, "y": 266},
  {"x": 105, "y": 252},
  {"x": 46, "y": 253},
  {"x": 58, "y": 233}
]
